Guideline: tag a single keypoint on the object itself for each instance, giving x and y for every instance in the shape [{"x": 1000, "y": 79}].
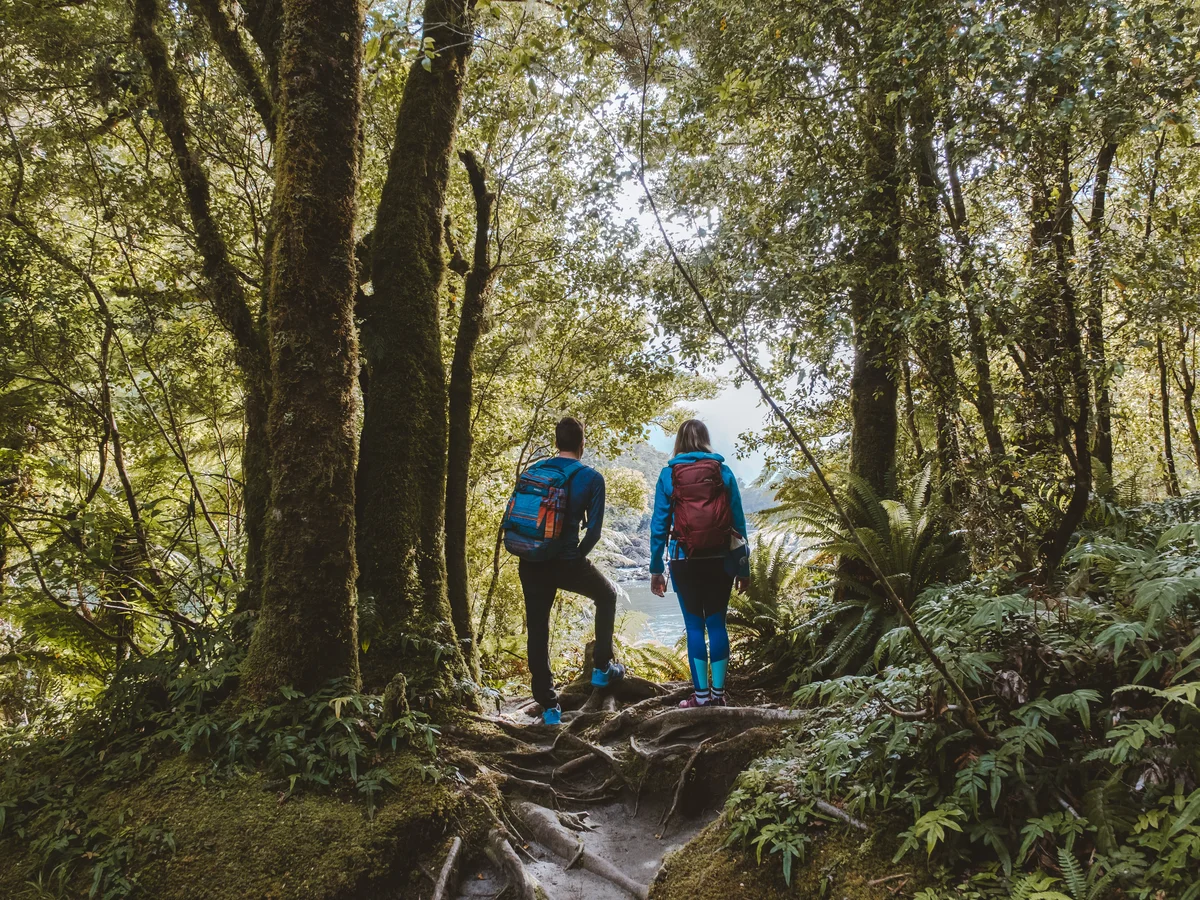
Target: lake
[{"x": 661, "y": 617}]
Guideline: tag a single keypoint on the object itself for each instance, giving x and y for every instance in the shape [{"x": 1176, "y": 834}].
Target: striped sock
[
  {"x": 702, "y": 696},
  {"x": 718, "y": 693}
]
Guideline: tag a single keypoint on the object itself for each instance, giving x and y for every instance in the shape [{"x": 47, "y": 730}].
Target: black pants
[
  {"x": 541, "y": 582},
  {"x": 702, "y": 584}
]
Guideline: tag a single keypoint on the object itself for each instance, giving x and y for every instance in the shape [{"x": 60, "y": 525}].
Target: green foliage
[
  {"x": 1091, "y": 698},
  {"x": 56, "y": 777},
  {"x": 851, "y": 612},
  {"x": 762, "y": 622}
]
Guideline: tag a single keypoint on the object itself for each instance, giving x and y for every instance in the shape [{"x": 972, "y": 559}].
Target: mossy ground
[
  {"x": 237, "y": 838},
  {"x": 843, "y": 866}
]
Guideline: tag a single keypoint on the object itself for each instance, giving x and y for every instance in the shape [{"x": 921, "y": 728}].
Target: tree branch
[
  {"x": 229, "y": 42},
  {"x": 228, "y": 296}
]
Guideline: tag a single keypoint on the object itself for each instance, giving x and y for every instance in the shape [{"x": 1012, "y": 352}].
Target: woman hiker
[{"x": 698, "y": 520}]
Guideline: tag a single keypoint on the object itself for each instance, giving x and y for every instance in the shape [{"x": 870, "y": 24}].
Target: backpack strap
[{"x": 567, "y": 484}]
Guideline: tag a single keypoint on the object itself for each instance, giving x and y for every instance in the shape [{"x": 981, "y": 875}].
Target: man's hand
[
  {"x": 658, "y": 584},
  {"x": 743, "y": 585}
]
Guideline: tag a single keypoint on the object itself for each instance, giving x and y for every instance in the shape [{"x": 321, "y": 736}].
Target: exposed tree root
[
  {"x": 501, "y": 852},
  {"x": 627, "y": 717},
  {"x": 679, "y": 786},
  {"x": 448, "y": 877},
  {"x": 707, "y": 718},
  {"x": 544, "y": 825},
  {"x": 630, "y": 689},
  {"x": 543, "y": 769},
  {"x": 830, "y": 810}
]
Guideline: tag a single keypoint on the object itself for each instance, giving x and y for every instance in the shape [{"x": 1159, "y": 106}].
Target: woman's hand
[
  {"x": 658, "y": 584},
  {"x": 743, "y": 585}
]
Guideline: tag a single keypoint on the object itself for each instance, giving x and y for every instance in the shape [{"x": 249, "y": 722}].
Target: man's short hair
[{"x": 568, "y": 434}]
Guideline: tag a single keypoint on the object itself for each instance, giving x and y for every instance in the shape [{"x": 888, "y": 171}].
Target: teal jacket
[{"x": 737, "y": 562}]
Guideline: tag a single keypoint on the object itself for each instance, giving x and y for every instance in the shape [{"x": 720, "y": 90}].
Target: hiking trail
[{"x": 592, "y": 807}]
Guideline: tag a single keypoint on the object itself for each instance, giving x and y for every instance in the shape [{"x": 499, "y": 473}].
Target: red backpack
[{"x": 703, "y": 518}]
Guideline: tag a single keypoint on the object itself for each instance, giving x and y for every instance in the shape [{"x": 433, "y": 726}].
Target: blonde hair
[{"x": 692, "y": 436}]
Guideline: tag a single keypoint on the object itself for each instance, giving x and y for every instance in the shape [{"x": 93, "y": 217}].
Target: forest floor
[{"x": 623, "y": 799}]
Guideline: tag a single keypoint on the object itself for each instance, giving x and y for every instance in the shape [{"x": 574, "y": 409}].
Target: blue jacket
[
  {"x": 586, "y": 505},
  {"x": 737, "y": 562}
]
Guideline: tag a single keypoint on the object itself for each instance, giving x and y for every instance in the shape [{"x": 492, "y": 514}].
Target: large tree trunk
[
  {"x": 256, "y": 492},
  {"x": 1066, "y": 361},
  {"x": 402, "y": 474},
  {"x": 306, "y": 632},
  {"x": 1103, "y": 445},
  {"x": 874, "y": 301},
  {"x": 462, "y": 393}
]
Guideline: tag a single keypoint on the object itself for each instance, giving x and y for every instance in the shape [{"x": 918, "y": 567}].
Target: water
[{"x": 660, "y": 617}]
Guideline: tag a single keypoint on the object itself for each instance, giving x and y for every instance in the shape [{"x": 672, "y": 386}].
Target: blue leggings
[{"x": 703, "y": 588}]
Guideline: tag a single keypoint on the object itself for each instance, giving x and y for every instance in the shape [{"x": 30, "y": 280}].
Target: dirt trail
[{"x": 592, "y": 807}]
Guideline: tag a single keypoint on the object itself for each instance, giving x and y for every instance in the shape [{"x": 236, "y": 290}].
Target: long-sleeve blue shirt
[
  {"x": 585, "y": 506},
  {"x": 737, "y": 562}
]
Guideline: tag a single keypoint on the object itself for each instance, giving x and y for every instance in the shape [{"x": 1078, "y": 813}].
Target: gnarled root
[
  {"x": 706, "y": 719},
  {"x": 546, "y": 828},
  {"x": 501, "y": 852},
  {"x": 444, "y": 886}
]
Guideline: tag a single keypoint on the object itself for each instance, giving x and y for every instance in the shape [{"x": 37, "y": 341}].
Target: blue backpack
[{"x": 535, "y": 519}]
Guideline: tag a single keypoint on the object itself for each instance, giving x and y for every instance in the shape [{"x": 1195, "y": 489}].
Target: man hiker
[{"x": 541, "y": 526}]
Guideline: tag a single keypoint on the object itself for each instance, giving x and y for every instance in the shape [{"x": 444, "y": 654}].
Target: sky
[{"x": 732, "y": 411}]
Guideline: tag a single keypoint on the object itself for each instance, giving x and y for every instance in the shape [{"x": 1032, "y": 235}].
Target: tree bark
[
  {"x": 874, "y": 301},
  {"x": 1057, "y": 232},
  {"x": 306, "y": 632},
  {"x": 1187, "y": 384},
  {"x": 462, "y": 399},
  {"x": 1164, "y": 394},
  {"x": 402, "y": 474},
  {"x": 1103, "y": 445},
  {"x": 1164, "y": 399}
]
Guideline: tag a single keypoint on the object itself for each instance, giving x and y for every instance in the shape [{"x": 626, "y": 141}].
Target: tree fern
[{"x": 905, "y": 539}]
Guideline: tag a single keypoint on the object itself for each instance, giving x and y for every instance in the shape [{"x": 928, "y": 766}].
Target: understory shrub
[
  {"x": 1091, "y": 786},
  {"x": 56, "y": 777}
]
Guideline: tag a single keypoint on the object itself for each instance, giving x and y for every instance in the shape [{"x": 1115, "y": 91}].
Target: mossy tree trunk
[
  {"x": 477, "y": 281},
  {"x": 874, "y": 301},
  {"x": 1164, "y": 399},
  {"x": 306, "y": 632},
  {"x": 1187, "y": 385},
  {"x": 1102, "y": 447},
  {"x": 875, "y": 294},
  {"x": 402, "y": 473},
  {"x": 1054, "y": 362}
]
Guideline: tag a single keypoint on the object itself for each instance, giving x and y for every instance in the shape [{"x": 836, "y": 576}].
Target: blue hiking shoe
[
  {"x": 552, "y": 716},
  {"x": 608, "y": 677}
]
